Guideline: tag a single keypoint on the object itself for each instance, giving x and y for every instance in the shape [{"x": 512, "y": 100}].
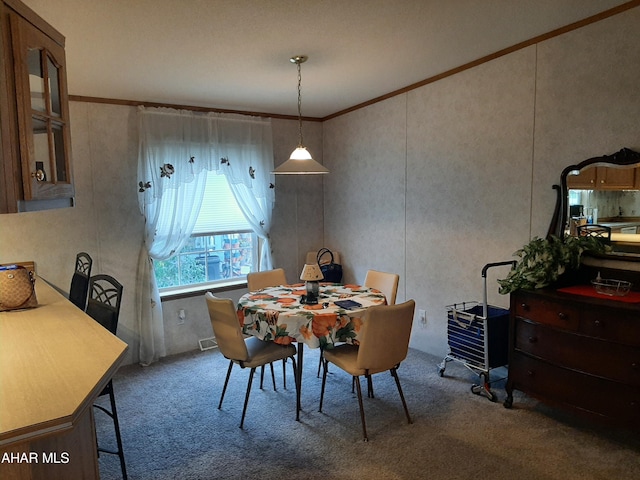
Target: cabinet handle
[
  {"x": 533, "y": 339},
  {"x": 525, "y": 306},
  {"x": 530, "y": 373},
  {"x": 39, "y": 175},
  {"x": 562, "y": 315},
  {"x": 597, "y": 323}
]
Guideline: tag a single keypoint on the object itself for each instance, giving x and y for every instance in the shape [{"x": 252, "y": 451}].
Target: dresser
[{"x": 576, "y": 352}]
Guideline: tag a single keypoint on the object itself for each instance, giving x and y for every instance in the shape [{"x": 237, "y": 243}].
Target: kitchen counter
[
  {"x": 54, "y": 361},
  {"x": 626, "y": 238}
]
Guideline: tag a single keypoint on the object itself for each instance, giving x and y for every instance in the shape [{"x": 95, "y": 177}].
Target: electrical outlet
[
  {"x": 422, "y": 315},
  {"x": 181, "y": 316}
]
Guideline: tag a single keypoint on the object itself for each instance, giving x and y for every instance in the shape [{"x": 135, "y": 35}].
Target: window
[{"x": 222, "y": 248}]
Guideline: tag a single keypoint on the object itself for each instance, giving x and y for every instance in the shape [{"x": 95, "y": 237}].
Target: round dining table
[{"x": 279, "y": 314}]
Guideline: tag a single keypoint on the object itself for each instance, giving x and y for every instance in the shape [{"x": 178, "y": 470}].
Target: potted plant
[{"x": 543, "y": 261}]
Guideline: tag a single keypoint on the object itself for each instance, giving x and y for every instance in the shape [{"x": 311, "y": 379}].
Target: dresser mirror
[{"x": 601, "y": 194}]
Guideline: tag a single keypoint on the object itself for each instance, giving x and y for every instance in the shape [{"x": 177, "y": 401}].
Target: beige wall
[
  {"x": 432, "y": 184},
  {"x": 438, "y": 182},
  {"x": 106, "y": 221}
]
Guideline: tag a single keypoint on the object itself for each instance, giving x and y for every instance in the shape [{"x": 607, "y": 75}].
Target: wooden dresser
[{"x": 576, "y": 352}]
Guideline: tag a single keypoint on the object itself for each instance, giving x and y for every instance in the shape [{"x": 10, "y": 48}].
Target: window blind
[{"x": 220, "y": 211}]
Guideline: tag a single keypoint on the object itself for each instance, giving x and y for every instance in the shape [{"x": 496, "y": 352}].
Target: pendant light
[{"x": 300, "y": 162}]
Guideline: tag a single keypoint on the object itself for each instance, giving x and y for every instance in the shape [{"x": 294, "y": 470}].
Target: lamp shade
[
  {"x": 300, "y": 163},
  {"x": 311, "y": 273}
]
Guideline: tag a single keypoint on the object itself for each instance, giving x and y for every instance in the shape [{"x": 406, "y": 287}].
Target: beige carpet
[{"x": 172, "y": 429}]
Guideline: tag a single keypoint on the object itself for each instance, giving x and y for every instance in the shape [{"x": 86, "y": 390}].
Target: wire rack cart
[{"x": 478, "y": 337}]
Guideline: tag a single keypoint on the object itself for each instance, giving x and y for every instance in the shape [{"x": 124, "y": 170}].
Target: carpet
[{"x": 172, "y": 429}]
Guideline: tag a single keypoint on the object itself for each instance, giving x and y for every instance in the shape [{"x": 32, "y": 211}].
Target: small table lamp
[{"x": 312, "y": 274}]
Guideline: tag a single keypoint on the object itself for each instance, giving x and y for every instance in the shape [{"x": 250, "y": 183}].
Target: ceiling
[{"x": 234, "y": 54}]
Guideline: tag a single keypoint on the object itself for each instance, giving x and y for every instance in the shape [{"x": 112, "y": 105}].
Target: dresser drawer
[
  {"x": 585, "y": 354},
  {"x": 548, "y": 311},
  {"x": 578, "y": 390},
  {"x": 617, "y": 325}
]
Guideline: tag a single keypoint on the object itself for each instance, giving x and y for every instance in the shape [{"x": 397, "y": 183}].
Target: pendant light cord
[{"x": 299, "y": 103}]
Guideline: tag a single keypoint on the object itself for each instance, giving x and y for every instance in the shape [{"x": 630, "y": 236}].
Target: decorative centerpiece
[{"x": 543, "y": 261}]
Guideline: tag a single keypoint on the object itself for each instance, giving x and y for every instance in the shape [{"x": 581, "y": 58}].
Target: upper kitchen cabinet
[
  {"x": 34, "y": 114},
  {"x": 604, "y": 178}
]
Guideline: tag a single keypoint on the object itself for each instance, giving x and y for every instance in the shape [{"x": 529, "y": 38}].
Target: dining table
[{"x": 280, "y": 314}]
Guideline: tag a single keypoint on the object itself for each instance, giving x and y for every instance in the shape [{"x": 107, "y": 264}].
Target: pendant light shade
[{"x": 300, "y": 162}]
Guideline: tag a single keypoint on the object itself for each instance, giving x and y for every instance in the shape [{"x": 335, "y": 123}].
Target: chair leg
[
  {"x": 284, "y": 373},
  {"x": 246, "y": 398},
  {"x": 273, "y": 377},
  {"x": 261, "y": 376},
  {"x": 370, "y": 387},
  {"x": 364, "y": 425},
  {"x": 324, "y": 381},
  {"x": 114, "y": 416},
  {"x": 394, "y": 374},
  {"x": 226, "y": 381}
]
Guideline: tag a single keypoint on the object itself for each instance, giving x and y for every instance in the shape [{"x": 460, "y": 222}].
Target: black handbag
[{"x": 331, "y": 271}]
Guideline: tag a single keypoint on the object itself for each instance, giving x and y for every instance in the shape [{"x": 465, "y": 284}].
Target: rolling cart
[{"x": 478, "y": 337}]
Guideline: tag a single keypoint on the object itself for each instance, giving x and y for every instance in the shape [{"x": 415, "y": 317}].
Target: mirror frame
[{"x": 626, "y": 156}]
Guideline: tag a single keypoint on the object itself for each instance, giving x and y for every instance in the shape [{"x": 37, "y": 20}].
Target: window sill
[{"x": 169, "y": 294}]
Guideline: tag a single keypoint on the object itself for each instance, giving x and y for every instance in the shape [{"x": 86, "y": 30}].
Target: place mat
[{"x": 589, "y": 291}]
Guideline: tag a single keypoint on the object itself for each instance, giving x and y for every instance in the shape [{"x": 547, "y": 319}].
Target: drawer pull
[
  {"x": 533, "y": 339},
  {"x": 525, "y": 306},
  {"x": 635, "y": 365},
  {"x": 530, "y": 373},
  {"x": 562, "y": 316},
  {"x": 597, "y": 323}
]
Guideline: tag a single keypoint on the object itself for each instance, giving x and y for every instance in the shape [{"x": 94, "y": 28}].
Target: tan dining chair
[
  {"x": 248, "y": 353},
  {"x": 257, "y": 281},
  {"x": 387, "y": 283},
  {"x": 384, "y": 343},
  {"x": 268, "y": 278},
  {"x": 312, "y": 257}
]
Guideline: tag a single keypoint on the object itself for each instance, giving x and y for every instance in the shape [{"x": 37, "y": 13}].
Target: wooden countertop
[
  {"x": 54, "y": 361},
  {"x": 626, "y": 237}
]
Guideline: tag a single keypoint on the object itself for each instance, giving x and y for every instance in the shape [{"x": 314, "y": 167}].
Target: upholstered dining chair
[
  {"x": 80, "y": 280},
  {"x": 384, "y": 343},
  {"x": 387, "y": 283},
  {"x": 312, "y": 257},
  {"x": 248, "y": 353},
  {"x": 103, "y": 305},
  {"x": 266, "y": 278},
  {"x": 258, "y": 281}
]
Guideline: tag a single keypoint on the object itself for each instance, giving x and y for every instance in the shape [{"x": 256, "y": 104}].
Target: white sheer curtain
[{"x": 176, "y": 150}]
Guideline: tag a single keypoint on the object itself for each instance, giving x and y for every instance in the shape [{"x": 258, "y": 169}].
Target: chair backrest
[
  {"x": 103, "y": 304},
  {"x": 384, "y": 338},
  {"x": 226, "y": 327},
  {"x": 80, "y": 280},
  {"x": 267, "y": 278},
  {"x": 312, "y": 257},
  {"x": 387, "y": 283}
]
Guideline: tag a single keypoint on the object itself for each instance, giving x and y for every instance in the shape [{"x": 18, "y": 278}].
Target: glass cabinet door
[{"x": 43, "y": 117}]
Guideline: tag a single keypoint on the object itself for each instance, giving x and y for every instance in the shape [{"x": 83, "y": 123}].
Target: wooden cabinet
[
  {"x": 605, "y": 178},
  {"x": 35, "y": 162},
  {"x": 585, "y": 180},
  {"x": 576, "y": 352},
  {"x": 609, "y": 178}
]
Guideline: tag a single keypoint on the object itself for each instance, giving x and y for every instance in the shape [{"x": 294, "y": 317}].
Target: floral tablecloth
[{"x": 275, "y": 314}]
